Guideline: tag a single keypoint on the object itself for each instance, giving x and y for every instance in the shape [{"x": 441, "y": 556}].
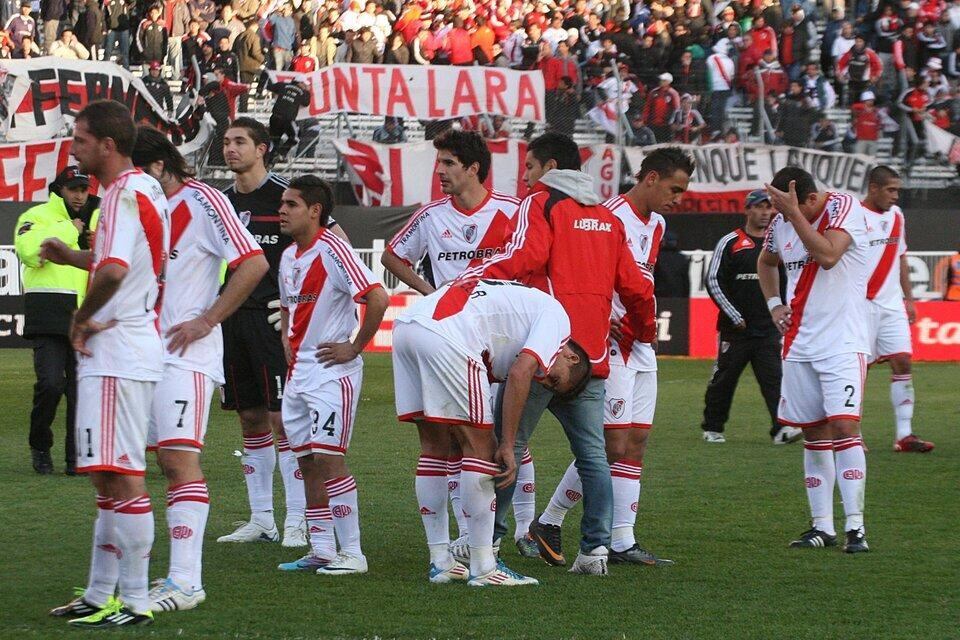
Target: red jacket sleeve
[
  {"x": 876, "y": 65},
  {"x": 525, "y": 257},
  {"x": 843, "y": 62}
]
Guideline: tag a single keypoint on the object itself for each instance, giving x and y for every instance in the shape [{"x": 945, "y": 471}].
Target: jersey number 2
[{"x": 850, "y": 389}]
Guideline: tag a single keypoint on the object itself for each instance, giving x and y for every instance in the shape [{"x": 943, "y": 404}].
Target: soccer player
[
  {"x": 321, "y": 282},
  {"x": 455, "y": 233},
  {"x": 821, "y": 239},
  {"x": 205, "y": 232},
  {"x": 120, "y": 361},
  {"x": 890, "y": 300},
  {"x": 254, "y": 361},
  {"x": 562, "y": 230},
  {"x": 631, "y": 388},
  {"x": 446, "y": 349}
]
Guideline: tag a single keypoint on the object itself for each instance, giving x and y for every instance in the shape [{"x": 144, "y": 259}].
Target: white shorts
[
  {"x": 889, "y": 332},
  {"x": 112, "y": 419},
  {"x": 630, "y": 398},
  {"x": 320, "y": 420},
  {"x": 181, "y": 408},
  {"x": 437, "y": 382},
  {"x": 814, "y": 393}
]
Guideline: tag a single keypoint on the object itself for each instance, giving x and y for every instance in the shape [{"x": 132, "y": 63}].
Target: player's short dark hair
[
  {"x": 315, "y": 190},
  {"x": 666, "y": 161},
  {"x": 153, "y": 145},
  {"x": 805, "y": 183},
  {"x": 255, "y": 129},
  {"x": 557, "y": 147},
  {"x": 881, "y": 174},
  {"x": 110, "y": 119},
  {"x": 466, "y": 146},
  {"x": 581, "y": 372}
]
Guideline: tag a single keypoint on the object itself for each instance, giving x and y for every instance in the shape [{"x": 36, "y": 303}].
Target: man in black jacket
[
  {"x": 747, "y": 334},
  {"x": 290, "y": 97}
]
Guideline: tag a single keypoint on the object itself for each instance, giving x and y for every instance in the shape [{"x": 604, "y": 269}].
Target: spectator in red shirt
[
  {"x": 557, "y": 66},
  {"x": 458, "y": 44},
  {"x": 764, "y": 37},
  {"x": 304, "y": 61},
  {"x": 659, "y": 107}
]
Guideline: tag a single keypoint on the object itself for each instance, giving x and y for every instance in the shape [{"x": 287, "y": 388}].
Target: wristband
[{"x": 774, "y": 302}]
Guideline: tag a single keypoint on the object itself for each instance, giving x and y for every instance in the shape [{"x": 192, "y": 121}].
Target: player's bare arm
[
  {"x": 104, "y": 286},
  {"x": 240, "y": 285},
  {"x": 907, "y": 290},
  {"x": 769, "y": 274},
  {"x": 827, "y": 248},
  {"x": 398, "y": 267},
  {"x": 516, "y": 390},
  {"x": 56, "y": 251},
  {"x": 338, "y": 231},
  {"x": 330, "y": 353},
  {"x": 284, "y": 336}
]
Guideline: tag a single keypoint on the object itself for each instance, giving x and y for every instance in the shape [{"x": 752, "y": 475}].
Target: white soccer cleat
[
  {"x": 252, "y": 532},
  {"x": 456, "y": 573},
  {"x": 295, "y": 535},
  {"x": 167, "y": 596},
  {"x": 344, "y": 564},
  {"x": 786, "y": 435},
  {"x": 591, "y": 564},
  {"x": 714, "y": 436},
  {"x": 502, "y": 576},
  {"x": 460, "y": 549}
]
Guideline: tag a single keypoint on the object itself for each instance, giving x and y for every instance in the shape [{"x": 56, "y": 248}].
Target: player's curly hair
[
  {"x": 152, "y": 145},
  {"x": 466, "y": 146}
]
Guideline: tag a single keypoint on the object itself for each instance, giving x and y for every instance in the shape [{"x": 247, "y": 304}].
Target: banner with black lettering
[
  {"x": 40, "y": 99},
  {"x": 397, "y": 175},
  {"x": 421, "y": 92},
  {"x": 726, "y": 173}
]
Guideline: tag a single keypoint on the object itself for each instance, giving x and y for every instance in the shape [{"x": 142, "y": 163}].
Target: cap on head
[
  {"x": 70, "y": 177},
  {"x": 666, "y": 76},
  {"x": 155, "y": 65},
  {"x": 867, "y": 95},
  {"x": 757, "y": 196}
]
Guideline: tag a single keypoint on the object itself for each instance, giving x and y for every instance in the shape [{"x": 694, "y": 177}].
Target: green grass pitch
[{"x": 725, "y": 513}]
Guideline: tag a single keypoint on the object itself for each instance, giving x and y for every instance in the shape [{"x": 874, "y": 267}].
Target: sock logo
[
  {"x": 181, "y": 532},
  {"x": 298, "y": 474},
  {"x": 634, "y": 507},
  {"x": 493, "y": 505},
  {"x": 124, "y": 459},
  {"x": 427, "y": 511},
  {"x": 529, "y": 487},
  {"x": 853, "y": 474},
  {"x": 341, "y": 511},
  {"x": 572, "y": 495},
  {"x": 316, "y": 529},
  {"x": 452, "y": 485},
  {"x": 248, "y": 469},
  {"x": 110, "y": 548},
  {"x": 812, "y": 482}
]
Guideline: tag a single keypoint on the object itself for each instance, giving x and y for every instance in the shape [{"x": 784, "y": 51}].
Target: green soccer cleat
[{"x": 113, "y": 615}]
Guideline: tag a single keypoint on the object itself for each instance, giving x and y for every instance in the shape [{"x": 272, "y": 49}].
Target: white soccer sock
[
  {"x": 259, "y": 460},
  {"x": 479, "y": 506},
  {"x": 524, "y": 496},
  {"x": 133, "y": 521},
  {"x": 625, "y": 476},
  {"x": 296, "y": 500},
  {"x": 453, "y": 489},
  {"x": 104, "y": 562},
  {"x": 188, "y": 505},
  {"x": 568, "y": 493},
  {"x": 902, "y": 397},
  {"x": 346, "y": 513},
  {"x": 852, "y": 478},
  {"x": 320, "y": 527},
  {"x": 820, "y": 475},
  {"x": 431, "y": 489}
]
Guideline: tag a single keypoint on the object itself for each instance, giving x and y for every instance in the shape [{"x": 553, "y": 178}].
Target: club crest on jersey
[
  {"x": 885, "y": 224},
  {"x": 643, "y": 243},
  {"x": 244, "y": 217},
  {"x": 295, "y": 276},
  {"x": 470, "y": 232}
]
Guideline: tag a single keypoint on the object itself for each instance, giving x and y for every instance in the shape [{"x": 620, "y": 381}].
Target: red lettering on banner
[
  {"x": 8, "y": 191},
  {"x": 316, "y": 106},
  {"x": 347, "y": 89},
  {"x": 496, "y": 84},
  {"x": 433, "y": 111},
  {"x": 366, "y": 165},
  {"x": 522, "y": 187},
  {"x": 527, "y": 97},
  {"x": 396, "y": 176},
  {"x": 399, "y": 93},
  {"x": 375, "y": 73},
  {"x": 607, "y": 173},
  {"x": 464, "y": 92},
  {"x": 30, "y": 183}
]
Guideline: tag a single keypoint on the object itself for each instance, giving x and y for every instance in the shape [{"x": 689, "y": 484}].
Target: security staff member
[
  {"x": 52, "y": 294},
  {"x": 747, "y": 334}
]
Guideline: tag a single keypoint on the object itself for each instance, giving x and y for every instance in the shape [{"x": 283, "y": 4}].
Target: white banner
[
  {"x": 399, "y": 175},
  {"x": 726, "y": 173},
  {"x": 941, "y": 141},
  {"x": 422, "y": 92},
  {"x": 40, "y": 99},
  {"x": 27, "y": 169}
]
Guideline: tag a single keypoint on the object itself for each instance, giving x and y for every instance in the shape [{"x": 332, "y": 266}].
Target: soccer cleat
[
  {"x": 502, "y": 576},
  {"x": 344, "y": 564},
  {"x": 308, "y": 562},
  {"x": 167, "y": 596},
  {"x": 593, "y": 563},
  {"x": 456, "y": 573},
  {"x": 856, "y": 541},
  {"x": 460, "y": 549},
  {"x": 251, "y": 532},
  {"x": 814, "y": 539},
  {"x": 78, "y": 607},
  {"x": 42, "y": 462},
  {"x": 548, "y": 540},
  {"x": 295, "y": 536},
  {"x": 714, "y": 436},
  {"x": 786, "y": 435},
  {"x": 113, "y": 615},
  {"x": 527, "y": 546},
  {"x": 638, "y": 555},
  {"x": 912, "y": 444}
]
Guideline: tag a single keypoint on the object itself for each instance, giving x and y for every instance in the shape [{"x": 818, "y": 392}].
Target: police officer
[
  {"x": 747, "y": 334},
  {"x": 51, "y": 294}
]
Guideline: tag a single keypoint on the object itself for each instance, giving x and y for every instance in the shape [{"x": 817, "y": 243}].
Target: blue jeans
[
  {"x": 121, "y": 37},
  {"x": 582, "y": 421}
]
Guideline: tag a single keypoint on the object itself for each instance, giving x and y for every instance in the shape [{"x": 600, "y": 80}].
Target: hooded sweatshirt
[{"x": 570, "y": 246}]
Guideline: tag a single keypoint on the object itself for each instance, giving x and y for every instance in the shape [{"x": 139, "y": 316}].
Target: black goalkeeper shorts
[{"x": 253, "y": 362}]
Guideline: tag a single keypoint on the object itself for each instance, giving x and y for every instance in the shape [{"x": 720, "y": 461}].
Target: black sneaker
[
  {"x": 42, "y": 462},
  {"x": 109, "y": 617},
  {"x": 78, "y": 607},
  {"x": 637, "y": 555},
  {"x": 814, "y": 538},
  {"x": 547, "y": 537},
  {"x": 856, "y": 541}
]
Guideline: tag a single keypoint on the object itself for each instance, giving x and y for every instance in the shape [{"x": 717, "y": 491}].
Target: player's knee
[
  {"x": 179, "y": 466},
  {"x": 845, "y": 429},
  {"x": 254, "y": 421},
  {"x": 900, "y": 364},
  {"x": 616, "y": 450},
  {"x": 332, "y": 466}
]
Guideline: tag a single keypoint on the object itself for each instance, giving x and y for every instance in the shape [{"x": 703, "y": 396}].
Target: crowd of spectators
[{"x": 663, "y": 70}]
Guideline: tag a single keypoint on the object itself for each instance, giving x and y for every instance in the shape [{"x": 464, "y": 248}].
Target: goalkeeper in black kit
[{"x": 291, "y": 96}]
